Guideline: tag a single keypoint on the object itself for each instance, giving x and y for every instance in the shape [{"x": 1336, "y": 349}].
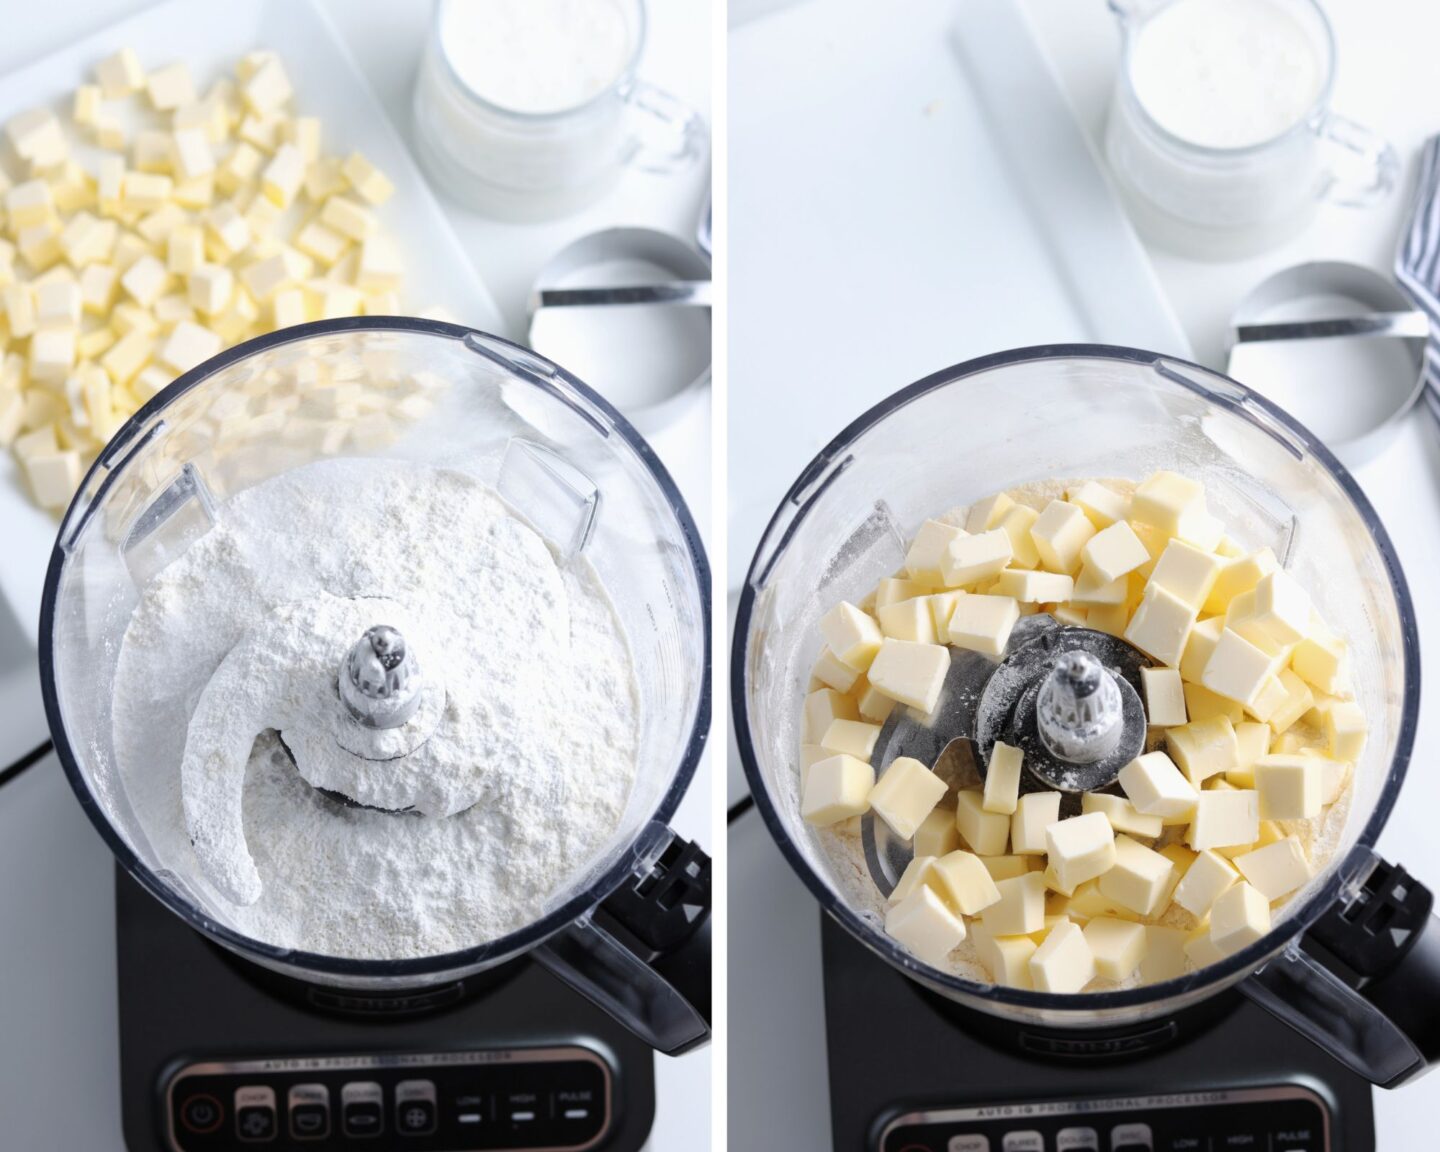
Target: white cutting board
[
  {"x": 210, "y": 35},
  {"x": 908, "y": 189}
]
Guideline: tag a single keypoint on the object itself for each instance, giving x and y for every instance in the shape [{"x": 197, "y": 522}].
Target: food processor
[
  {"x": 923, "y": 1059},
  {"x": 543, "y": 1038}
]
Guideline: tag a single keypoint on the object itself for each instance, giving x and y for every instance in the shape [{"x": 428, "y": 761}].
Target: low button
[{"x": 201, "y": 1113}]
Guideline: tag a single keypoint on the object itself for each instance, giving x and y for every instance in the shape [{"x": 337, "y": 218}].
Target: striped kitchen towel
[{"x": 1417, "y": 263}]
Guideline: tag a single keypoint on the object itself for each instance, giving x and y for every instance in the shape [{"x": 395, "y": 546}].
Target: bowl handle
[
  {"x": 1364, "y": 981},
  {"x": 643, "y": 954}
]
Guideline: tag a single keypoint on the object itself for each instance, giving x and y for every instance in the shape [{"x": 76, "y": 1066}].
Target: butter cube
[
  {"x": 853, "y": 737},
  {"x": 1187, "y": 572},
  {"x": 968, "y": 559},
  {"x": 905, "y": 794},
  {"x": 1064, "y": 963},
  {"x": 1031, "y": 587},
  {"x": 917, "y": 873},
  {"x": 1002, "y": 779},
  {"x": 1201, "y": 950},
  {"x": 127, "y": 356},
  {"x": 937, "y": 834},
  {"x": 1080, "y": 848},
  {"x": 19, "y": 309},
  {"x": 1241, "y": 916},
  {"x": 1113, "y": 552},
  {"x": 347, "y": 217},
  {"x": 152, "y": 380},
  {"x": 1252, "y": 741},
  {"x": 1204, "y": 882},
  {"x": 37, "y": 137},
  {"x": 1020, "y": 909},
  {"x": 851, "y": 634},
  {"x": 834, "y": 673},
  {"x": 191, "y": 152},
  {"x": 86, "y": 105},
  {"x": 1164, "y": 957},
  {"x": 836, "y": 789},
  {"x": 1290, "y": 787},
  {"x": 53, "y": 477},
  {"x": 1180, "y": 856},
  {"x": 170, "y": 87},
  {"x": 226, "y": 227},
  {"x": 29, "y": 204},
  {"x": 1017, "y": 523},
  {"x": 1277, "y": 612},
  {"x": 1161, "y": 625},
  {"x": 911, "y": 673},
  {"x": 1123, "y": 816},
  {"x": 239, "y": 168},
  {"x": 1118, "y": 946},
  {"x": 1237, "y": 669},
  {"x": 942, "y": 607},
  {"x": 874, "y": 705},
  {"x": 210, "y": 287},
  {"x": 1141, "y": 879},
  {"x": 120, "y": 75},
  {"x": 268, "y": 89},
  {"x": 1275, "y": 870},
  {"x": 1007, "y": 867},
  {"x": 1319, "y": 659},
  {"x": 288, "y": 308},
  {"x": 1071, "y": 616},
  {"x": 1345, "y": 730},
  {"x": 986, "y": 514},
  {"x": 1238, "y": 577},
  {"x": 1299, "y": 699},
  {"x": 1164, "y": 697},
  {"x": 367, "y": 180},
  {"x": 1089, "y": 902},
  {"x": 282, "y": 177},
  {"x": 907, "y": 620},
  {"x": 928, "y": 549},
  {"x": 40, "y": 442},
  {"x": 924, "y": 925},
  {"x": 1034, "y": 813},
  {"x": 1203, "y": 748},
  {"x": 145, "y": 280},
  {"x": 109, "y": 130},
  {"x": 39, "y": 246},
  {"x": 821, "y": 707},
  {"x": 52, "y": 354},
  {"x": 1225, "y": 819},
  {"x": 987, "y": 833},
  {"x": 1091, "y": 591},
  {"x": 1103, "y": 505},
  {"x": 1006, "y": 957},
  {"x": 895, "y": 590},
  {"x": 1060, "y": 535},
  {"x": 304, "y": 133},
  {"x": 1203, "y": 704},
  {"x": 1335, "y": 773},
  {"x": 1169, "y": 502},
  {"x": 1155, "y": 786},
  {"x": 57, "y": 304},
  {"x": 1199, "y": 647},
  {"x": 983, "y": 623},
  {"x": 325, "y": 244},
  {"x": 963, "y": 881},
  {"x": 12, "y": 416}
]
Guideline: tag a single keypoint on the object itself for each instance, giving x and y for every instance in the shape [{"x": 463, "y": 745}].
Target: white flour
[{"x": 539, "y": 731}]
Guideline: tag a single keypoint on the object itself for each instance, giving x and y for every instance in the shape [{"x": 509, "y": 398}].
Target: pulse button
[
  {"x": 309, "y": 1112},
  {"x": 415, "y": 1111}
]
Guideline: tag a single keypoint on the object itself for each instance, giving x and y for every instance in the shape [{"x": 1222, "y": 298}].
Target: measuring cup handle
[
  {"x": 643, "y": 954},
  {"x": 1364, "y": 981},
  {"x": 1373, "y": 154},
  {"x": 668, "y": 134}
]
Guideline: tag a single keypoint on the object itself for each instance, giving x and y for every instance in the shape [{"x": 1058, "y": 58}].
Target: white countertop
[
  {"x": 57, "y": 1008},
  {"x": 1385, "y": 53}
]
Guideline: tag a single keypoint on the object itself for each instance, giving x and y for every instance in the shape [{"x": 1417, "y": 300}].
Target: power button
[{"x": 201, "y": 1113}]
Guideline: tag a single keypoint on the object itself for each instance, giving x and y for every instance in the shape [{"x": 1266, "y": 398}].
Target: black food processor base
[
  {"x": 216, "y": 1054},
  {"x": 912, "y": 1073}
]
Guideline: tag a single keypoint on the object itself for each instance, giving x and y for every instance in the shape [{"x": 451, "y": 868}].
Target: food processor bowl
[
  {"x": 1072, "y": 413},
  {"x": 442, "y": 395}
]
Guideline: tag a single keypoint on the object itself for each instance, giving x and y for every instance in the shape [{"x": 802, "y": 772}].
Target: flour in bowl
[{"x": 517, "y": 788}]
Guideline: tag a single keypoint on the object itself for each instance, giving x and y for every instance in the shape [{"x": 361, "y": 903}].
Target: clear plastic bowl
[
  {"x": 555, "y": 450},
  {"x": 1067, "y": 412}
]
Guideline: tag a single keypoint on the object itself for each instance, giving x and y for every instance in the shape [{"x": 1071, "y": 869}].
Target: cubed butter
[
  {"x": 187, "y": 346},
  {"x": 821, "y": 707},
  {"x": 905, "y": 794},
  {"x": 1113, "y": 552},
  {"x": 968, "y": 559},
  {"x": 1209, "y": 876},
  {"x": 1241, "y": 916},
  {"x": 367, "y": 180},
  {"x": 853, "y": 737},
  {"x": 1225, "y": 819},
  {"x": 1319, "y": 659},
  {"x": 1020, "y": 909},
  {"x": 1164, "y": 697},
  {"x": 907, "y": 620},
  {"x": 937, "y": 834},
  {"x": 1091, "y": 591},
  {"x": 986, "y": 514},
  {"x": 1345, "y": 730},
  {"x": 983, "y": 623},
  {"x": 1140, "y": 879},
  {"x": 1103, "y": 505},
  {"x": 1080, "y": 848},
  {"x": 1164, "y": 957},
  {"x": 1203, "y": 748},
  {"x": 1161, "y": 625},
  {"x": 1016, "y": 523},
  {"x": 836, "y": 789},
  {"x": 1033, "y": 587},
  {"x": 852, "y": 635},
  {"x": 924, "y": 925},
  {"x": 1238, "y": 577},
  {"x": 1238, "y": 669},
  {"x": 1276, "y": 613},
  {"x": 1006, "y": 957},
  {"x": 1060, "y": 536},
  {"x": 1064, "y": 963},
  {"x": 1123, "y": 816},
  {"x": 53, "y": 477},
  {"x": 1168, "y": 502},
  {"x": 987, "y": 833},
  {"x": 928, "y": 549},
  {"x": 964, "y": 883},
  {"x": 1275, "y": 870},
  {"x": 911, "y": 673},
  {"x": 120, "y": 75},
  {"x": 1118, "y": 946},
  {"x": 1299, "y": 699},
  {"x": 1034, "y": 813},
  {"x": 1156, "y": 787},
  {"x": 1203, "y": 704},
  {"x": 1002, "y": 779},
  {"x": 1289, "y": 787}
]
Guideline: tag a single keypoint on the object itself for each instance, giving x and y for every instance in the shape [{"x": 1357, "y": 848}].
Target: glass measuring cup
[
  {"x": 1217, "y": 202},
  {"x": 554, "y": 450},
  {"x": 525, "y": 166}
]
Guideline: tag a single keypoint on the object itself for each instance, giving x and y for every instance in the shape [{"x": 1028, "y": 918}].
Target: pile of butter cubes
[
  {"x": 219, "y": 220},
  {"x": 1253, "y": 726}
]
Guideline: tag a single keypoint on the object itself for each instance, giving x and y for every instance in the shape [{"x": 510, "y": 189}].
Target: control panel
[
  {"x": 496, "y": 1101},
  {"x": 1285, "y": 1118}
]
